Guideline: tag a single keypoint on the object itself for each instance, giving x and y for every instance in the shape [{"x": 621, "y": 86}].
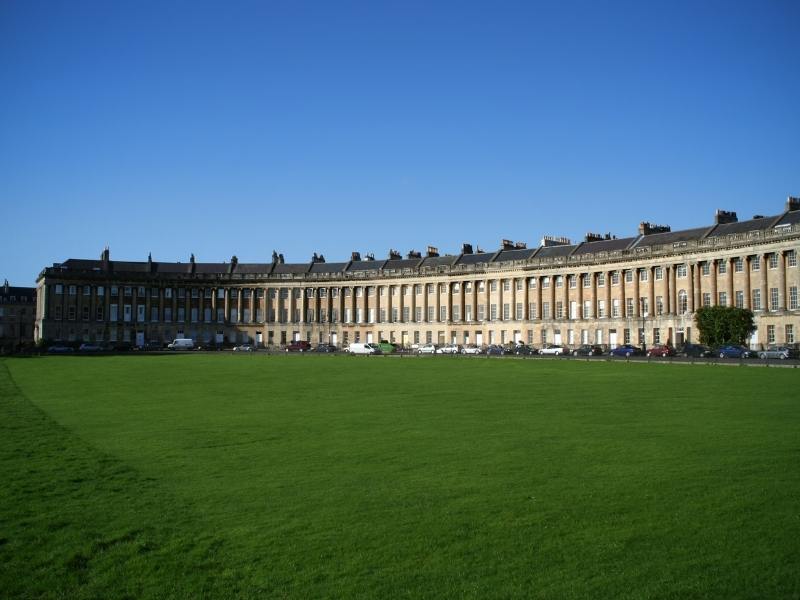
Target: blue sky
[{"x": 242, "y": 127}]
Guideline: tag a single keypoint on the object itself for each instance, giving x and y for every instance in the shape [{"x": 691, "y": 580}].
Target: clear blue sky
[{"x": 241, "y": 127}]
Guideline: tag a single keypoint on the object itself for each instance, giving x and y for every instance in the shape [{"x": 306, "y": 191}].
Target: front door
[
  {"x": 140, "y": 338},
  {"x": 612, "y": 338}
]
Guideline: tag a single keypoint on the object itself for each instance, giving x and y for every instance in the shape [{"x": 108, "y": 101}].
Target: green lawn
[{"x": 306, "y": 477}]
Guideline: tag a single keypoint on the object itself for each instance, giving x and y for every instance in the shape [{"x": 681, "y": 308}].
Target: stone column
[
  {"x": 608, "y": 295},
  {"x": 636, "y": 302},
  {"x": 714, "y": 293},
  {"x": 748, "y": 300},
  {"x": 526, "y": 294},
  {"x": 579, "y": 300},
  {"x": 729, "y": 270},
  {"x": 764, "y": 283},
  {"x": 487, "y": 289},
  {"x": 783, "y": 286},
  {"x": 651, "y": 296},
  {"x": 668, "y": 287}
]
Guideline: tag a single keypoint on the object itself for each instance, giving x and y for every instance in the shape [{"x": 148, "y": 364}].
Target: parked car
[
  {"x": 780, "y": 352},
  {"x": 733, "y": 352},
  {"x": 449, "y": 349},
  {"x": 153, "y": 345},
  {"x": 587, "y": 350},
  {"x": 554, "y": 349},
  {"x": 60, "y": 349},
  {"x": 89, "y": 348},
  {"x": 470, "y": 349},
  {"x": 325, "y": 348},
  {"x": 298, "y": 346},
  {"x": 524, "y": 350},
  {"x": 494, "y": 349},
  {"x": 387, "y": 347},
  {"x": 243, "y": 348},
  {"x": 427, "y": 349},
  {"x": 362, "y": 348},
  {"x": 695, "y": 351},
  {"x": 181, "y": 344},
  {"x": 119, "y": 347},
  {"x": 626, "y": 350},
  {"x": 661, "y": 351}
]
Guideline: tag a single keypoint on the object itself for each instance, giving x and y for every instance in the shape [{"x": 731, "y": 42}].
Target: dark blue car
[
  {"x": 733, "y": 352},
  {"x": 626, "y": 350}
]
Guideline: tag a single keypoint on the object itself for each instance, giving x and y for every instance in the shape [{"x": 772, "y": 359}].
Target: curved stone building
[{"x": 641, "y": 289}]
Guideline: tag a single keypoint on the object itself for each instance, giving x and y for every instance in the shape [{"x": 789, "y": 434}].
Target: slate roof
[
  {"x": 365, "y": 265},
  {"x": 516, "y": 254},
  {"x": 474, "y": 259},
  {"x": 402, "y": 263},
  {"x": 790, "y": 218},
  {"x": 122, "y": 266},
  {"x": 290, "y": 268},
  {"x": 22, "y": 294},
  {"x": 604, "y": 246},
  {"x": 671, "y": 237},
  {"x": 328, "y": 267},
  {"x": 80, "y": 264},
  {"x": 166, "y": 267},
  {"x": 436, "y": 261},
  {"x": 742, "y": 226},
  {"x": 257, "y": 268},
  {"x": 555, "y": 251}
]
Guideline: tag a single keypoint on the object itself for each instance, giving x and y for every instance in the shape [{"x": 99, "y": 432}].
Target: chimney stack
[
  {"x": 792, "y": 203},
  {"x": 550, "y": 240},
  {"x": 355, "y": 256},
  {"x": 466, "y": 248},
  {"x": 394, "y": 255},
  {"x": 725, "y": 216},
  {"x": 647, "y": 228},
  {"x": 432, "y": 251}
]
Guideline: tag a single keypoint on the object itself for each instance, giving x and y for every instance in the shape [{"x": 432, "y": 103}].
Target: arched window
[{"x": 683, "y": 302}]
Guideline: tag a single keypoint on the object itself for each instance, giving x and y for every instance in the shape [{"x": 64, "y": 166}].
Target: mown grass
[{"x": 254, "y": 476}]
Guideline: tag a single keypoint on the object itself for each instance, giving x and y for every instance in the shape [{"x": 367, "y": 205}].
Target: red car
[
  {"x": 298, "y": 346},
  {"x": 661, "y": 351}
]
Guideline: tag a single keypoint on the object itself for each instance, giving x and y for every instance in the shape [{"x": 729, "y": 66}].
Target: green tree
[{"x": 722, "y": 325}]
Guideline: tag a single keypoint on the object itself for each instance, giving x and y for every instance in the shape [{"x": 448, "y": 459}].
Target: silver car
[
  {"x": 781, "y": 352},
  {"x": 555, "y": 349}
]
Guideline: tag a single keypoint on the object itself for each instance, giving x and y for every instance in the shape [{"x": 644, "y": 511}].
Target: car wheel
[
  {"x": 627, "y": 355},
  {"x": 722, "y": 355},
  {"x": 762, "y": 355}
]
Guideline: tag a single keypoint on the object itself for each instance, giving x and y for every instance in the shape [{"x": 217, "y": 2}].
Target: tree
[{"x": 722, "y": 325}]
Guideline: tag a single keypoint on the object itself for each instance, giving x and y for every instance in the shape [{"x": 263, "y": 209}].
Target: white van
[
  {"x": 358, "y": 348},
  {"x": 181, "y": 344}
]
